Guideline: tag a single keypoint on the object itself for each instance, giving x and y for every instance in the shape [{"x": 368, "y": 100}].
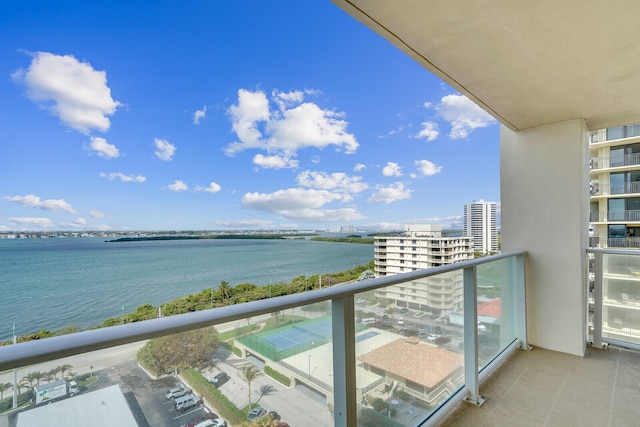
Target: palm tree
[
  {"x": 38, "y": 376},
  {"x": 4, "y": 387},
  {"x": 52, "y": 374},
  {"x": 64, "y": 368},
  {"x": 224, "y": 289},
  {"x": 250, "y": 373},
  {"x": 30, "y": 378}
]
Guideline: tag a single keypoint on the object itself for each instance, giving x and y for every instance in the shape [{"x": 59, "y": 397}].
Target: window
[{"x": 617, "y": 231}]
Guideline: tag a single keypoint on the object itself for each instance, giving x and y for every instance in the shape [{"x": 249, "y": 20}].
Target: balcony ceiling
[{"x": 527, "y": 63}]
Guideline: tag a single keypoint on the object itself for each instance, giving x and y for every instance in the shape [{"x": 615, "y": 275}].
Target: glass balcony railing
[
  {"x": 614, "y": 298},
  {"x": 346, "y": 355}
]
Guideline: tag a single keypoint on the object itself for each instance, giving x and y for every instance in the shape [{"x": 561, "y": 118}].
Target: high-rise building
[
  {"x": 422, "y": 246},
  {"x": 615, "y": 187},
  {"x": 480, "y": 225}
]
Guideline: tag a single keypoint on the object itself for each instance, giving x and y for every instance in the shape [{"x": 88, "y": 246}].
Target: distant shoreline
[{"x": 214, "y": 236}]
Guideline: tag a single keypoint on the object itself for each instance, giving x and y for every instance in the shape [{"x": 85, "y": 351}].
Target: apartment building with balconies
[
  {"x": 615, "y": 187},
  {"x": 422, "y": 246}
]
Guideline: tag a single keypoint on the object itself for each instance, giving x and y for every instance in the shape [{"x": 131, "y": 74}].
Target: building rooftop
[{"x": 412, "y": 359}]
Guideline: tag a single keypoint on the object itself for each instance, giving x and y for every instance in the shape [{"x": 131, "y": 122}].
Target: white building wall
[{"x": 546, "y": 213}]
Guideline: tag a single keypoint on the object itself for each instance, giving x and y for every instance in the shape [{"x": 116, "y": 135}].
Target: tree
[
  {"x": 191, "y": 349},
  {"x": 63, "y": 369},
  {"x": 225, "y": 290},
  {"x": 250, "y": 373},
  {"x": 4, "y": 387},
  {"x": 30, "y": 378},
  {"x": 38, "y": 376}
]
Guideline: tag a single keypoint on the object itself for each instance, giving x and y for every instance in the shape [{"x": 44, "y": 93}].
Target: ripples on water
[{"x": 51, "y": 283}]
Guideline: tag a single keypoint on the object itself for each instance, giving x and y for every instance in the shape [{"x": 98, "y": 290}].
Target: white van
[
  {"x": 183, "y": 403},
  {"x": 368, "y": 321}
]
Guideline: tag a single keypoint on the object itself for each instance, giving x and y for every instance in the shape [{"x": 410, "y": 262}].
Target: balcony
[
  {"x": 606, "y": 189},
  {"x": 615, "y": 216},
  {"x": 312, "y": 341},
  {"x": 614, "y": 242},
  {"x": 597, "y": 163}
]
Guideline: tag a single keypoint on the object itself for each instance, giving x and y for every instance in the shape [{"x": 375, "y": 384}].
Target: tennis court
[
  {"x": 285, "y": 341},
  {"x": 299, "y": 334}
]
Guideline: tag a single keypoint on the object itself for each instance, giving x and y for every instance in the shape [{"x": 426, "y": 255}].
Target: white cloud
[
  {"x": 359, "y": 167},
  {"x": 426, "y": 105},
  {"x": 252, "y": 108},
  {"x": 383, "y": 226},
  {"x": 427, "y": 168},
  {"x": 301, "y": 205},
  {"x": 429, "y": 131},
  {"x": 96, "y": 214},
  {"x": 103, "y": 148},
  {"x": 199, "y": 115},
  {"x": 275, "y": 162},
  {"x": 389, "y": 194},
  {"x": 78, "y": 224},
  {"x": 292, "y": 126},
  {"x": 246, "y": 223},
  {"x": 337, "y": 181},
  {"x": 69, "y": 89},
  {"x": 212, "y": 188},
  {"x": 392, "y": 169},
  {"x": 43, "y": 223},
  {"x": 164, "y": 149},
  {"x": 463, "y": 115},
  {"x": 33, "y": 201},
  {"x": 287, "y": 99},
  {"x": 436, "y": 219},
  {"x": 122, "y": 177},
  {"x": 178, "y": 185}
]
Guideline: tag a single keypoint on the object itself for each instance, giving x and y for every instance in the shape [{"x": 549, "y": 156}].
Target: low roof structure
[
  {"x": 106, "y": 407},
  {"x": 410, "y": 358}
]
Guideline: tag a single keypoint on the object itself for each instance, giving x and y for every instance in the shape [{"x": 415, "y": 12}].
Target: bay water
[{"x": 54, "y": 282}]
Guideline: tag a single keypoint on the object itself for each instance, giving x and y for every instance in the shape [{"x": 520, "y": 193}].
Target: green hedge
[
  {"x": 370, "y": 418},
  {"x": 7, "y": 402},
  {"x": 221, "y": 404},
  {"x": 281, "y": 378}
]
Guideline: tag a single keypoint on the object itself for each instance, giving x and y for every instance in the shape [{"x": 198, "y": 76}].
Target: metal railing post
[
  {"x": 344, "y": 362},
  {"x": 521, "y": 301},
  {"x": 597, "y": 299},
  {"x": 471, "y": 380}
]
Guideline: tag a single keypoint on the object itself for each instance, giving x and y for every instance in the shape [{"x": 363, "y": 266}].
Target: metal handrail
[{"x": 38, "y": 351}]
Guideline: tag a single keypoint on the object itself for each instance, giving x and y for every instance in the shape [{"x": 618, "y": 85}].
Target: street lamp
[{"x": 309, "y": 366}]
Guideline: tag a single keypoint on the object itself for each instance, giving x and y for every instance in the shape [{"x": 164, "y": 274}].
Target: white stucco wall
[{"x": 545, "y": 204}]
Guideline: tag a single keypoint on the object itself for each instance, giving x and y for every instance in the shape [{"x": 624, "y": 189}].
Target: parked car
[
  {"x": 442, "y": 340},
  {"x": 184, "y": 403},
  {"x": 219, "y": 379},
  {"x": 174, "y": 392},
  {"x": 256, "y": 413},
  {"x": 216, "y": 422},
  {"x": 432, "y": 337},
  {"x": 482, "y": 327},
  {"x": 401, "y": 321},
  {"x": 403, "y": 310}
]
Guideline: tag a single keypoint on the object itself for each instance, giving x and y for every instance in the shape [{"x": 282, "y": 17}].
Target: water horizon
[{"x": 52, "y": 283}]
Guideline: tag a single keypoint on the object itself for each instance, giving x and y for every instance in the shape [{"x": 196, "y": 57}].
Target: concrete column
[{"x": 544, "y": 207}]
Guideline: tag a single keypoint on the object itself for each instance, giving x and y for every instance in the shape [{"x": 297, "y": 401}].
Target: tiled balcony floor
[{"x": 546, "y": 388}]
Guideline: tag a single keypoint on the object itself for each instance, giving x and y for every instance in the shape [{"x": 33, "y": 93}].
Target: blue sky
[{"x": 227, "y": 115}]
